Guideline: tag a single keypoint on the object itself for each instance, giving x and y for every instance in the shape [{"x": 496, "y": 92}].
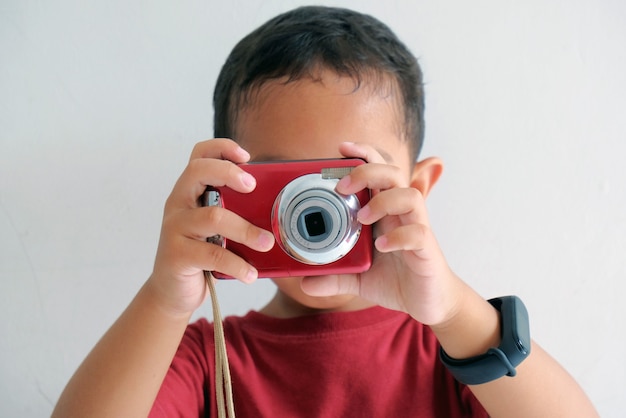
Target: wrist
[
  {"x": 154, "y": 296},
  {"x": 501, "y": 360},
  {"x": 471, "y": 329}
]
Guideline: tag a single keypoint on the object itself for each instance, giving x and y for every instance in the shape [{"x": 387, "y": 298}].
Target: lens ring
[
  {"x": 314, "y": 223},
  {"x": 310, "y": 200},
  {"x": 309, "y": 191}
]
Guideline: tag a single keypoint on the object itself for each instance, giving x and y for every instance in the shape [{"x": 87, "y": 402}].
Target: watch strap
[{"x": 497, "y": 361}]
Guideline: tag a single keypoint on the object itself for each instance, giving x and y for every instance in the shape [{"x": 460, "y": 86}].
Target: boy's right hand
[{"x": 183, "y": 254}]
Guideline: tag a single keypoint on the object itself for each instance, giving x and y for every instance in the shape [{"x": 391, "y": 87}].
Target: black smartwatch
[{"x": 496, "y": 362}]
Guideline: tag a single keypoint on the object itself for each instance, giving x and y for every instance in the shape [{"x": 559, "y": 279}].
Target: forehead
[{"x": 309, "y": 117}]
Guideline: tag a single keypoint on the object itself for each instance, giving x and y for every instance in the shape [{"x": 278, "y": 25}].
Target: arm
[
  {"x": 124, "y": 371},
  {"x": 410, "y": 274},
  {"x": 540, "y": 388},
  {"x": 122, "y": 374}
]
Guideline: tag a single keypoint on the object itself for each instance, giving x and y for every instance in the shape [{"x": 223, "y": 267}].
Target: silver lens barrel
[{"x": 313, "y": 223}]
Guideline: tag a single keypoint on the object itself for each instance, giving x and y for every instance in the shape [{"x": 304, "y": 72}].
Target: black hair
[{"x": 296, "y": 43}]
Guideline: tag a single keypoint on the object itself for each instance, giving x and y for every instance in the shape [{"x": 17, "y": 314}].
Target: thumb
[{"x": 331, "y": 285}]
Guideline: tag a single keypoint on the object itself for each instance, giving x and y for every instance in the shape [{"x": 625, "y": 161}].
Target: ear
[{"x": 426, "y": 173}]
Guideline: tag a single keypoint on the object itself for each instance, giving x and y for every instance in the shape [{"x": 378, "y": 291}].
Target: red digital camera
[{"x": 315, "y": 227}]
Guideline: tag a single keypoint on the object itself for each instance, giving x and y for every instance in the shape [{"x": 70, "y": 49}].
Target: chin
[
  {"x": 330, "y": 303},
  {"x": 291, "y": 288}
]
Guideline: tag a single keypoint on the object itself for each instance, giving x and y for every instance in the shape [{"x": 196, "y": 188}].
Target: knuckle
[
  {"x": 195, "y": 165},
  {"x": 222, "y": 171},
  {"x": 226, "y": 262},
  {"x": 204, "y": 148},
  {"x": 251, "y": 234},
  {"x": 216, "y": 255},
  {"x": 200, "y": 149},
  {"x": 171, "y": 222},
  {"x": 196, "y": 151},
  {"x": 214, "y": 216},
  {"x": 169, "y": 203}
]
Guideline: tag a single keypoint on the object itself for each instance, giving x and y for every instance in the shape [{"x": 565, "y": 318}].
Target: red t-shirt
[{"x": 370, "y": 363}]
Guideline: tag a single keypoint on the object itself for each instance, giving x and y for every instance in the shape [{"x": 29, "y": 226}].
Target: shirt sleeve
[{"x": 184, "y": 389}]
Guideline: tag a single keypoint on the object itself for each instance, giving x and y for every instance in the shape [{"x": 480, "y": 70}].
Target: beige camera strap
[{"x": 225, "y": 404}]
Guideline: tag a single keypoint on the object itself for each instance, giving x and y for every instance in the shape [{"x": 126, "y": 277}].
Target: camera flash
[{"x": 335, "y": 172}]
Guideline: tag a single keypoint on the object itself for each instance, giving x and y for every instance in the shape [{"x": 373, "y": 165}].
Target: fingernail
[
  {"x": 251, "y": 275},
  {"x": 363, "y": 214},
  {"x": 248, "y": 180},
  {"x": 266, "y": 240},
  {"x": 243, "y": 153},
  {"x": 381, "y": 243}
]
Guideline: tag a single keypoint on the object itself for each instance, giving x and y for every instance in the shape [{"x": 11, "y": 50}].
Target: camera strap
[{"x": 223, "y": 384}]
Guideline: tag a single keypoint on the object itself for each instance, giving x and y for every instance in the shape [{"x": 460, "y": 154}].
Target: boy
[{"x": 316, "y": 83}]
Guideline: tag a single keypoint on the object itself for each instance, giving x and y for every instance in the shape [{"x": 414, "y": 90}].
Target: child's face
[{"x": 308, "y": 119}]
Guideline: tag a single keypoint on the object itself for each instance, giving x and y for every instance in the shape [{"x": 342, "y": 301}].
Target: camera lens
[
  {"x": 314, "y": 224},
  {"x": 314, "y": 220}
]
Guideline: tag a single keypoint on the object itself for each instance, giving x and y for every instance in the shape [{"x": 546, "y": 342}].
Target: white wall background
[{"x": 101, "y": 102}]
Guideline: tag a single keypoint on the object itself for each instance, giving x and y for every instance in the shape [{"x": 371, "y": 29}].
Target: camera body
[{"x": 315, "y": 227}]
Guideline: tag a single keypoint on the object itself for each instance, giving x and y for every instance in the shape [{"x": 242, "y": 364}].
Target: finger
[
  {"x": 325, "y": 286},
  {"x": 404, "y": 238},
  {"x": 371, "y": 176},
  {"x": 210, "y": 257},
  {"x": 408, "y": 203},
  {"x": 201, "y": 223},
  {"x": 203, "y": 172},
  {"x": 364, "y": 151},
  {"x": 220, "y": 148}
]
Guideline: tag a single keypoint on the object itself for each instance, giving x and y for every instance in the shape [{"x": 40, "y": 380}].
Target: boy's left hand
[{"x": 409, "y": 272}]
